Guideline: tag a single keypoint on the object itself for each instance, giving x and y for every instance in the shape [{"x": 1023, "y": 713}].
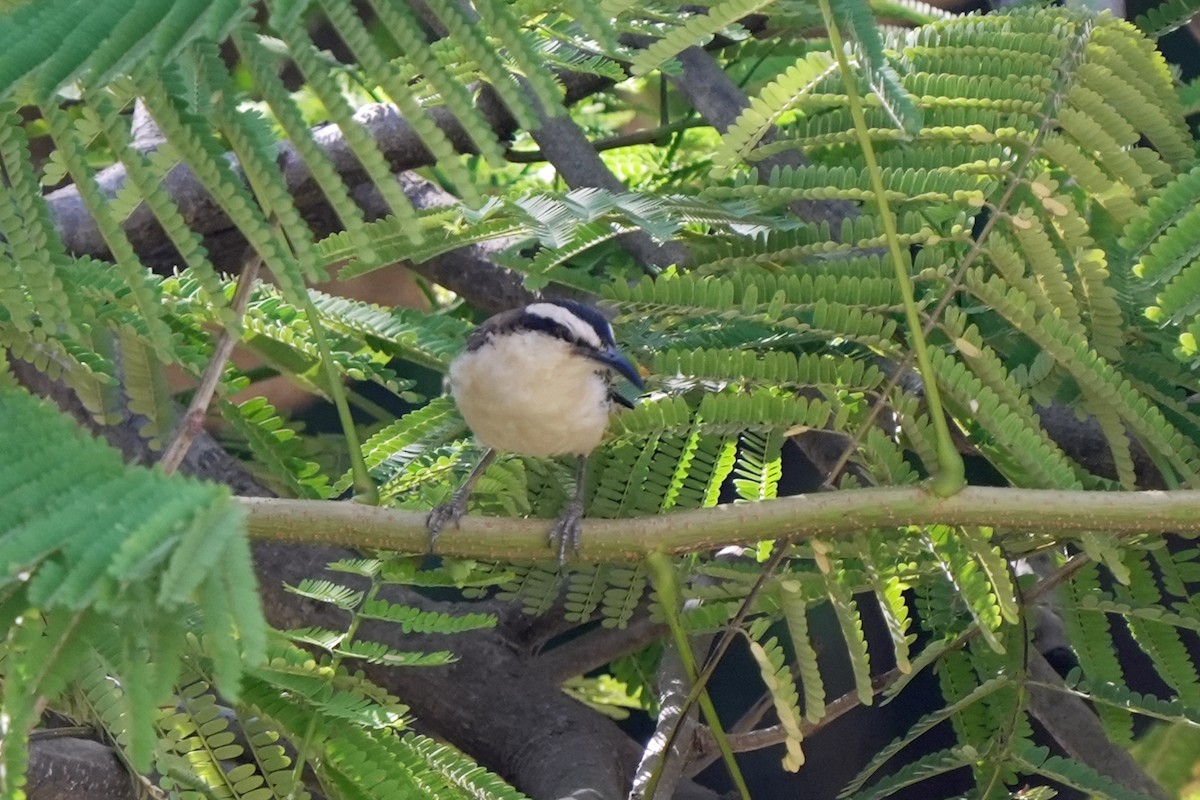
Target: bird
[{"x": 538, "y": 381}]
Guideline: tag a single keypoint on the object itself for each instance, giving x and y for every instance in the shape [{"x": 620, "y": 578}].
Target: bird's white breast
[{"x": 530, "y": 393}]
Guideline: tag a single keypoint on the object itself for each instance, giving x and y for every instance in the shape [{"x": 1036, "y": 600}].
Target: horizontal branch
[{"x": 798, "y": 517}]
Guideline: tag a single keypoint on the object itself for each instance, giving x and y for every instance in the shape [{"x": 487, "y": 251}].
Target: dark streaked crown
[
  {"x": 528, "y": 319},
  {"x": 592, "y": 317}
]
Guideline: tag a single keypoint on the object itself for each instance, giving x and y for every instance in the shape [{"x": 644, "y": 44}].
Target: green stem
[
  {"x": 366, "y": 489},
  {"x": 825, "y": 514},
  {"x": 662, "y": 572},
  {"x": 950, "y": 476},
  {"x": 368, "y": 406},
  {"x": 335, "y": 662}
]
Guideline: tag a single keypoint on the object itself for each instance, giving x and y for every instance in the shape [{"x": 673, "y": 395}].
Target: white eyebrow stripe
[{"x": 579, "y": 328}]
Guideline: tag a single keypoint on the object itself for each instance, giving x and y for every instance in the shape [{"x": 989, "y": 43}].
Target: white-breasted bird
[{"x": 538, "y": 381}]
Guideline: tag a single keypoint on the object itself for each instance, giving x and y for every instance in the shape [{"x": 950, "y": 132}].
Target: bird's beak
[{"x": 615, "y": 360}]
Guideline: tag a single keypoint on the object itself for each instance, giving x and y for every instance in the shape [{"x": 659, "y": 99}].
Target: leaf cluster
[{"x": 1044, "y": 186}]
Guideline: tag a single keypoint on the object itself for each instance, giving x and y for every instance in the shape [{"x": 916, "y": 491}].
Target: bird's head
[{"x": 580, "y": 325}]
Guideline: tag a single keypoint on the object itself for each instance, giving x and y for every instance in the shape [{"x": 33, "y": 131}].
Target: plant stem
[
  {"x": 825, "y": 514},
  {"x": 950, "y": 476},
  {"x": 365, "y": 487},
  {"x": 193, "y": 418},
  {"x": 662, "y": 572}
]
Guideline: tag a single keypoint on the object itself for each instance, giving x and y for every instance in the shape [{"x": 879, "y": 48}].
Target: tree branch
[
  {"x": 392, "y": 134},
  {"x": 70, "y": 768},
  {"x": 598, "y": 647},
  {"x": 1074, "y": 726},
  {"x": 662, "y": 754},
  {"x": 797, "y": 517},
  {"x": 646, "y": 136}
]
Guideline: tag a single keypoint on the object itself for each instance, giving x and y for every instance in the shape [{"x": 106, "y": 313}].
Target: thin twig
[
  {"x": 746, "y": 741},
  {"x": 193, "y": 418},
  {"x": 727, "y": 637},
  {"x": 648, "y": 136}
]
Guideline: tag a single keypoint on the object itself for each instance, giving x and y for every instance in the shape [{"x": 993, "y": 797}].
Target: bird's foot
[
  {"x": 441, "y": 515},
  {"x": 564, "y": 536}
]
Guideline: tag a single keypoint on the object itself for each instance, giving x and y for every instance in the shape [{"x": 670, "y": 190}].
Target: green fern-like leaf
[
  {"x": 328, "y": 592},
  {"x": 759, "y": 466},
  {"x": 360, "y": 750},
  {"x": 274, "y": 765},
  {"x": 407, "y": 32},
  {"x": 1014, "y": 440},
  {"x": 100, "y": 549},
  {"x": 927, "y": 723},
  {"x": 1071, "y": 773},
  {"x": 1094, "y": 375},
  {"x": 1091, "y": 638},
  {"x": 252, "y": 141},
  {"x": 414, "y": 620},
  {"x": 1159, "y": 640},
  {"x": 475, "y": 43},
  {"x": 697, "y": 28},
  {"x": 276, "y": 446},
  {"x": 778, "y": 679},
  {"x": 200, "y": 738},
  {"x": 257, "y": 60},
  {"x": 856, "y": 16},
  {"x": 845, "y": 608},
  {"x": 795, "y": 613},
  {"x": 111, "y": 38},
  {"x": 326, "y": 89},
  {"x": 1165, "y": 17},
  {"x": 397, "y": 447},
  {"x": 352, "y": 31},
  {"x": 771, "y": 103},
  {"x": 889, "y": 593},
  {"x": 1147, "y": 705},
  {"x": 924, "y": 768},
  {"x": 167, "y": 98},
  {"x": 144, "y": 292},
  {"x": 145, "y": 384},
  {"x": 955, "y": 558},
  {"x": 621, "y": 600}
]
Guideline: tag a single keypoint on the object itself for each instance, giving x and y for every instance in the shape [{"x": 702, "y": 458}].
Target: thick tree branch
[
  {"x": 1073, "y": 725},
  {"x": 392, "y": 134},
  {"x": 703, "y": 81},
  {"x": 598, "y": 647},
  {"x": 797, "y": 517},
  {"x": 69, "y": 768},
  {"x": 470, "y": 272}
]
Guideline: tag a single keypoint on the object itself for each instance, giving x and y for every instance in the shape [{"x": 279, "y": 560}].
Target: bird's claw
[
  {"x": 440, "y": 515},
  {"x": 565, "y": 533}
]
